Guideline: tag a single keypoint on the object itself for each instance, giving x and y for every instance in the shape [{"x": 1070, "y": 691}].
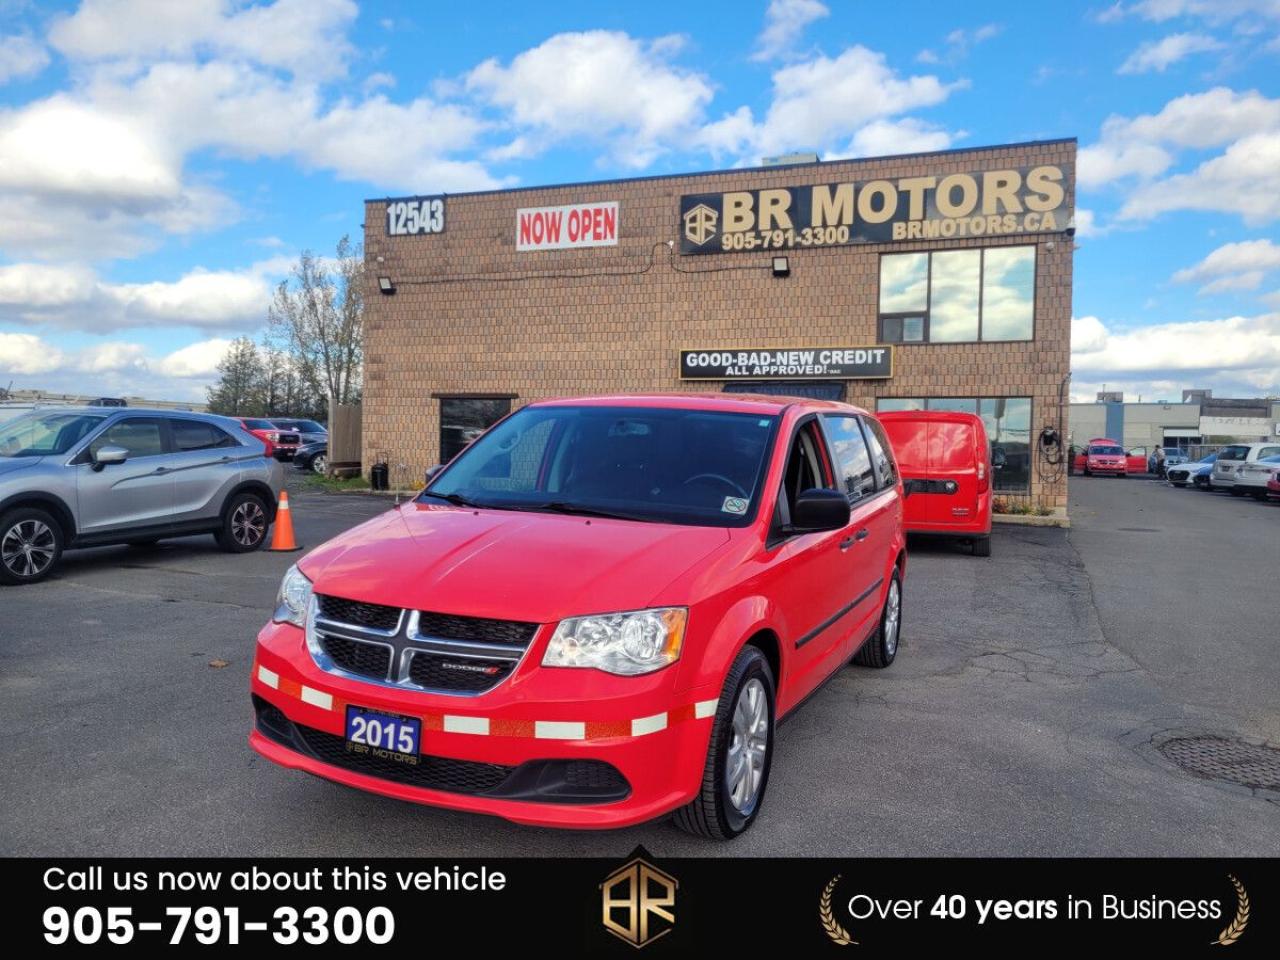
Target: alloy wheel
[
  {"x": 892, "y": 614},
  {"x": 27, "y": 548},
  {"x": 248, "y": 523},
  {"x": 320, "y": 463},
  {"x": 744, "y": 766}
]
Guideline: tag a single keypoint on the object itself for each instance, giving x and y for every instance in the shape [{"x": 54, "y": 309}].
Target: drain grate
[{"x": 1218, "y": 758}]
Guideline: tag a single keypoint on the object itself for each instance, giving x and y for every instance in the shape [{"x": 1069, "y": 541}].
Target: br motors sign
[
  {"x": 983, "y": 203},
  {"x": 788, "y": 363},
  {"x": 574, "y": 225}
]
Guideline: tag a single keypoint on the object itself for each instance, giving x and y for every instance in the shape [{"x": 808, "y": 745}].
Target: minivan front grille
[{"x": 422, "y": 649}]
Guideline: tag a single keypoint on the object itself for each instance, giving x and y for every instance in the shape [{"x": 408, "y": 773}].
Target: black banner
[
  {"x": 788, "y": 363},
  {"x": 983, "y": 203},
  {"x": 595, "y": 907}
]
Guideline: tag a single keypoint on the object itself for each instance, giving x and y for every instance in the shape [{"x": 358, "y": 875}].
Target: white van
[{"x": 1223, "y": 475}]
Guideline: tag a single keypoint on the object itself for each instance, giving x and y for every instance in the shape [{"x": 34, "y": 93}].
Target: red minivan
[
  {"x": 946, "y": 472},
  {"x": 595, "y": 614}
]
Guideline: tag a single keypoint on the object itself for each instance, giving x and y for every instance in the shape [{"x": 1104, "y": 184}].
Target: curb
[{"x": 1031, "y": 520}]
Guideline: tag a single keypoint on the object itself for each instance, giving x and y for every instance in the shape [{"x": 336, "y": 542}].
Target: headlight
[
  {"x": 293, "y": 599},
  {"x": 631, "y": 643}
]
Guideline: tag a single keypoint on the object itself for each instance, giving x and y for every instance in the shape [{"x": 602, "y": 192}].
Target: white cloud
[
  {"x": 119, "y": 368},
  {"x": 600, "y": 87},
  {"x": 784, "y": 22},
  {"x": 823, "y": 102},
  {"x": 1233, "y": 267},
  {"x": 1239, "y": 354},
  {"x": 1214, "y": 11},
  {"x": 21, "y": 57},
  {"x": 74, "y": 298},
  {"x": 304, "y": 37},
  {"x": 1103, "y": 162},
  {"x": 958, "y": 43},
  {"x": 1245, "y": 180},
  {"x": 883, "y": 138},
  {"x": 1159, "y": 55}
]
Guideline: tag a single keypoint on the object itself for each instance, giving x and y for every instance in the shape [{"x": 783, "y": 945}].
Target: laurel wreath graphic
[
  {"x": 1235, "y": 929},
  {"x": 838, "y": 934}
]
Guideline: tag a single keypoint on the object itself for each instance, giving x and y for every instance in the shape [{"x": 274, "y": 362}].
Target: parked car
[
  {"x": 313, "y": 457},
  {"x": 308, "y": 431},
  {"x": 1253, "y": 476},
  {"x": 1273, "y": 487},
  {"x": 88, "y": 476},
  {"x": 1173, "y": 456},
  {"x": 1232, "y": 456},
  {"x": 1105, "y": 457},
  {"x": 943, "y": 458},
  {"x": 280, "y": 444},
  {"x": 1186, "y": 472},
  {"x": 595, "y": 614}
]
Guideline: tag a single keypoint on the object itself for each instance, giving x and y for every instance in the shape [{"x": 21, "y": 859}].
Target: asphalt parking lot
[{"x": 1019, "y": 718}]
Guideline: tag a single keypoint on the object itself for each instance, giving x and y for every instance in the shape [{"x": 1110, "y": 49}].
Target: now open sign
[{"x": 573, "y": 225}]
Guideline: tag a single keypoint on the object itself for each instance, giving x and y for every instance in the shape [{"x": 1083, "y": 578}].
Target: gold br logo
[
  {"x": 637, "y": 903},
  {"x": 700, "y": 224}
]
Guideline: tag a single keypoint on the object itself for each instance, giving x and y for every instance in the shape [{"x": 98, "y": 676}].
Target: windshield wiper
[
  {"x": 458, "y": 500},
  {"x": 561, "y": 506}
]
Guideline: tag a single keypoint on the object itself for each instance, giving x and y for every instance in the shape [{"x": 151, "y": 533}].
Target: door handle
[
  {"x": 159, "y": 470},
  {"x": 846, "y": 543},
  {"x": 863, "y": 534}
]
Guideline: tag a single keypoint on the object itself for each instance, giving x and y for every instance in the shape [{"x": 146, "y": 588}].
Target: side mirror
[
  {"x": 818, "y": 510},
  {"x": 432, "y": 471},
  {"x": 108, "y": 455}
]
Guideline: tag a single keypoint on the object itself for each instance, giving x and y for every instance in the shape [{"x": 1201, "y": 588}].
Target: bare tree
[{"x": 318, "y": 316}]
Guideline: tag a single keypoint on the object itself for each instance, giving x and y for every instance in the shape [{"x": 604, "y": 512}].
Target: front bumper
[
  {"x": 536, "y": 720},
  {"x": 1119, "y": 469}
]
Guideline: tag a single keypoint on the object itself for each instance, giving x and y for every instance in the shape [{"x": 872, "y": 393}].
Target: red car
[
  {"x": 595, "y": 614},
  {"x": 1105, "y": 457},
  {"x": 944, "y": 458},
  {"x": 1273, "y": 488},
  {"x": 281, "y": 444}
]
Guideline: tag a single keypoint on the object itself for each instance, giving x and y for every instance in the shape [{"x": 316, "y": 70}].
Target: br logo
[
  {"x": 700, "y": 224},
  {"x": 637, "y": 903}
]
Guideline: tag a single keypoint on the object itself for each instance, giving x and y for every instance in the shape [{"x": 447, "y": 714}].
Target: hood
[
  {"x": 10, "y": 464},
  {"x": 506, "y": 564}
]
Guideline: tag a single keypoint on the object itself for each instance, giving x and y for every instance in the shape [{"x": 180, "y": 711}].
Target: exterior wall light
[
  {"x": 781, "y": 267},
  {"x": 386, "y": 286}
]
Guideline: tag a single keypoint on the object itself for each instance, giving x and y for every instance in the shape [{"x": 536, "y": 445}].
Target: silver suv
[{"x": 88, "y": 476}]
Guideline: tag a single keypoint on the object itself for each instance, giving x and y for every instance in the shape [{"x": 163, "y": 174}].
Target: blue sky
[{"x": 161, "y": 163}]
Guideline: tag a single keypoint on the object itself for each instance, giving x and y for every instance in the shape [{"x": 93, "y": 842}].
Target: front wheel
[
  {"x": 244, "y": 524},
  {"x": 882, "y": 647},
  {"x": 30, "y": 545},
  {"x": 320, "y": 463},
  {"x": 737, "y": 768}
]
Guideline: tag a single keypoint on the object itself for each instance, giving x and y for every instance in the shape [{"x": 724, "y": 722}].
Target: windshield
[
  {"x": 42, "y": 434},
  {"x": 1107, "y": 451},
  {"x": 1233, "y": 453},
  {"x": 697, "y": 467},
  {"x": 302, "y": 426},
  {"x": 260, "y": 425}
]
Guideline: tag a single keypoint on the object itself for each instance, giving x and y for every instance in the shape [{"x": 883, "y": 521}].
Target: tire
[
  {"x": 31, "y": 542},
  {"x": 881, "y": 648},
  {"x": 982, "y": 546},
  {"x": 1258, "y": 494},
  {"x": 714, "y": 813},
  {"x": 319, "y": 464},
  {"x": 244, "y": 524},
  {"x": 1235, "y": 493}
]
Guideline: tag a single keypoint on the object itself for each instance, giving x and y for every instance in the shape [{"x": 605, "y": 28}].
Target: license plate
[{"x": 384, "y": 735}]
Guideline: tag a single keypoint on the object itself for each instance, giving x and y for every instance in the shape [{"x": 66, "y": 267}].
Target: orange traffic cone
[{"x": 282, "y": 532}]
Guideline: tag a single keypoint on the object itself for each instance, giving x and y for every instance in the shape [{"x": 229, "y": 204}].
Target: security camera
[{"x": 1071, "y": 227}]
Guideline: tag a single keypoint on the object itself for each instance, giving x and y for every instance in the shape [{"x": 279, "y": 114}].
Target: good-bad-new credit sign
[{"x": 573, "y": 225}]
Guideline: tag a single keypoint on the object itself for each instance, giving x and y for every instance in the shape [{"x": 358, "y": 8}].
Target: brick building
[{"x": 939, "y": 280}]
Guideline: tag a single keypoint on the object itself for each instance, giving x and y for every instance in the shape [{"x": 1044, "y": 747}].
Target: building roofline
[{"x": 727, "y": 170}]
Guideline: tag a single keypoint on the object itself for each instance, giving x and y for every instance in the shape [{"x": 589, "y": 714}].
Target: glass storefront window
[
  {"x": 1008, "y": 293},
  {"x": 958, "y": 296},
  {"x": 462, "y": 419},
  {"x": 954, "y": 281},
  {"x": 1008, "y": 424}
]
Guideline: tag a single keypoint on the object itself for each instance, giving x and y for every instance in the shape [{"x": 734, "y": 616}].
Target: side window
[
  {"x": 807, "y": 467},
  {"x": 853, "y": 459},
  {"x": 881, "y": 452},
  {"x": 1268, "y": 452},
  {"x": 141, "y": 436},
  {"x": 196, "y": 435}
]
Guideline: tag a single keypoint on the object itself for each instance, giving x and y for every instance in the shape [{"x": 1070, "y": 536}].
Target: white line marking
[
  {"x": 317, "y": 698},
  {"x": 643, "y": 725},
  {"x": 557, "y": 730},
  {"x": 478, "y": 725}
]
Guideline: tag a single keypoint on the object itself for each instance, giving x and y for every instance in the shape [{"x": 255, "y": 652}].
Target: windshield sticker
[{"x": 734, "y": 505}]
